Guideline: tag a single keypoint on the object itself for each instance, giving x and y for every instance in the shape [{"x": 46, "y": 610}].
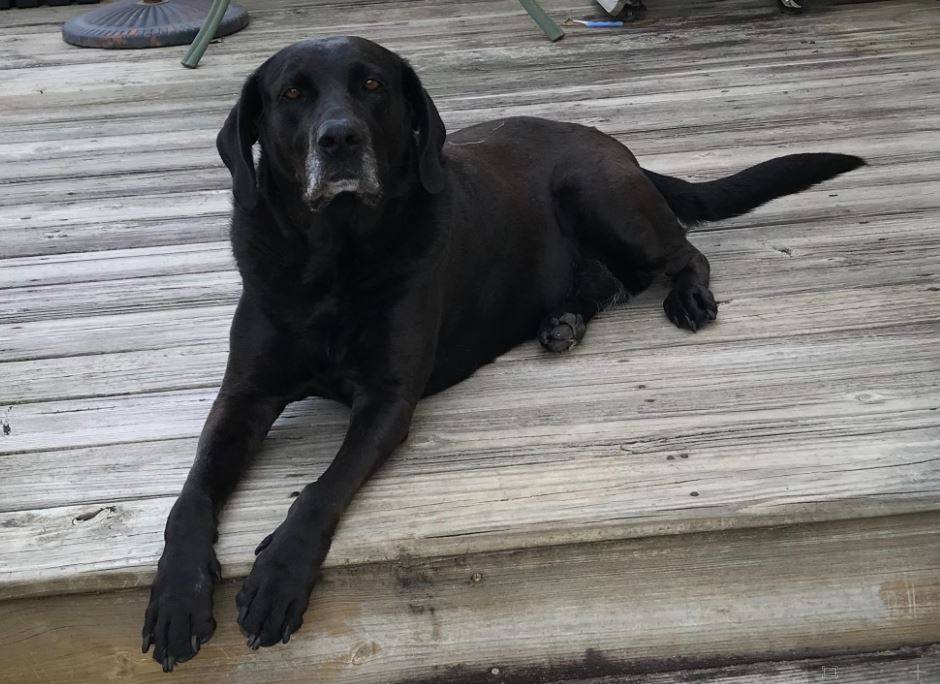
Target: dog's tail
[{"x": 737, "y": 194}]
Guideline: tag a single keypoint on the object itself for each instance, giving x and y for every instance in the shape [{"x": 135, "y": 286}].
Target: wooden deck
[{"x": 766, "y": 489}]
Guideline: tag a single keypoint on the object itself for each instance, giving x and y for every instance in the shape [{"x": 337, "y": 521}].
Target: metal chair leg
[
  {"x": 206, "y": 33},
  {"x": 545, "y": 22}
]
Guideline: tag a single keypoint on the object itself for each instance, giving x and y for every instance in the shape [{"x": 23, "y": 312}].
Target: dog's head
[{"x": 334, "y": 116}]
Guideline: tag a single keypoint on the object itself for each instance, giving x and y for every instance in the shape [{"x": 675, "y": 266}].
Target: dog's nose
[{"x": 338, "y": 137}]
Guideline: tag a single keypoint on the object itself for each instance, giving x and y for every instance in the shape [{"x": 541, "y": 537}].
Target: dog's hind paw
[
  {"x": 691, "y": 307},
  {"x": 560, "y": 332}
]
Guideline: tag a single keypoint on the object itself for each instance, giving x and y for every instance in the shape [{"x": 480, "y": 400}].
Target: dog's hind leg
[
  {"x": 621, "y": 217},
  {"x": 594, "y": 288},
  {"x": 690, "y": 304}
]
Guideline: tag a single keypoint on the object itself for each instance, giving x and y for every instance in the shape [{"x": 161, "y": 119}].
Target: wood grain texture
[
  {"x": 536, "y": 615},
  {"x": 902, "y": 666},
  {"x": 814, "y": 401}
]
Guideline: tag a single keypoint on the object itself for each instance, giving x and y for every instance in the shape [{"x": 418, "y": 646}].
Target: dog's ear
[
  {"x": 429, "y": 131},
  {"x": 234, "y": 142}
]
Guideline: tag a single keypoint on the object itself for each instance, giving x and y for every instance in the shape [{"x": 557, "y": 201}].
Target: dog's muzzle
[{"x": 340, "y": 160}]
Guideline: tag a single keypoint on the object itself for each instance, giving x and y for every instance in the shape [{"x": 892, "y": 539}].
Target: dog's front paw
[
  {"x": 690, "y": 307},
  {"x": 560, "y": 332},
  {"x": 275, "y": 594},
  {"x": 179, "y": 616}
]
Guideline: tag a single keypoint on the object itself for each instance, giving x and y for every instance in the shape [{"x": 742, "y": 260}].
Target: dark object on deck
[
  {"x": 148, "y": 23},
  {"x": 24, "y": 4},
  {"x": 632, "y": 11},
  {"x": 624, "y": 10}
]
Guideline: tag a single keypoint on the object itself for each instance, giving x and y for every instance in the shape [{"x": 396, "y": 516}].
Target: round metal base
[{"x": 147, "y": 23}]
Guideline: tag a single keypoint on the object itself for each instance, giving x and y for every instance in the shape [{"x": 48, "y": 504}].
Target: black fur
[
  {"x": 381, "y": 264},
  {"x": 748, "y": 189}
]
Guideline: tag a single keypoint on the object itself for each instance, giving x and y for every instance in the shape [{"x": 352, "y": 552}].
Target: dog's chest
[
  {"x": 325, "y": 323},
  {"x": 331, "y": 309}
]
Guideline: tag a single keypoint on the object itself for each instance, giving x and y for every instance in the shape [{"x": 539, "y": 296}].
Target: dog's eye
[
  {"x": 292, "y": 94},
  {"x": 372, "y": 85}
]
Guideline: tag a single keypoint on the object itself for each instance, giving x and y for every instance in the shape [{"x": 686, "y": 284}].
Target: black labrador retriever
[{"x": 382, "y": 263}]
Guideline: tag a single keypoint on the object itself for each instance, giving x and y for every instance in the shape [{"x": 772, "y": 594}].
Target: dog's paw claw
[
  {"x": 560, "y": 332},
  {"x": 691, "y": 307}
]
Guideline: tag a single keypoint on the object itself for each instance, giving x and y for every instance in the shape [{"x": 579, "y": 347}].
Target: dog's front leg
[
  {"x": 274, "y": 597},
  {"x": 179, "y": 615}
]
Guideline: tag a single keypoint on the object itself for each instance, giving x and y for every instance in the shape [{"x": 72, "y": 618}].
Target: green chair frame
[
  {"x": 217, "y": 11},
  {"x": 206, "y": 33}
]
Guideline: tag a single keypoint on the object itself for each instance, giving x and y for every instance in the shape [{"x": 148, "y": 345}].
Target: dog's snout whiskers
[{"x": 328, "y": 175}]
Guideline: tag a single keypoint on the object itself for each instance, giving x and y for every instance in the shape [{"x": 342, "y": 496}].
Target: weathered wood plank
[
  {"x": 655, "y": 55},
  {"x": 296, "y": 451},
  {"x": 635, "y": 117},
  {"x": 767, "y": 376},
  {"x": 762, "y": 259},
  {"x": 186, "y": 348},
  {"x": 902, "y": 666},
  {"x": 85, "y": 267},
  {"x": 632, "y": 116},
  {"x": 538, "y": 614},
  {"x": 77, "y": 299},
  {"x": 114, "y": 333},
  {"x": 491, "y": 25},
  {"x": 101, "y": 221},
  {"x": 671, "y": 403},
  {"x": 639, "y": 325},
  {"x": 71, "y": 549}
]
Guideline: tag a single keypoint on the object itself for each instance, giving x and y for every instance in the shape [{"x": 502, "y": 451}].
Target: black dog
[{"x": 381, "y": 264}]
